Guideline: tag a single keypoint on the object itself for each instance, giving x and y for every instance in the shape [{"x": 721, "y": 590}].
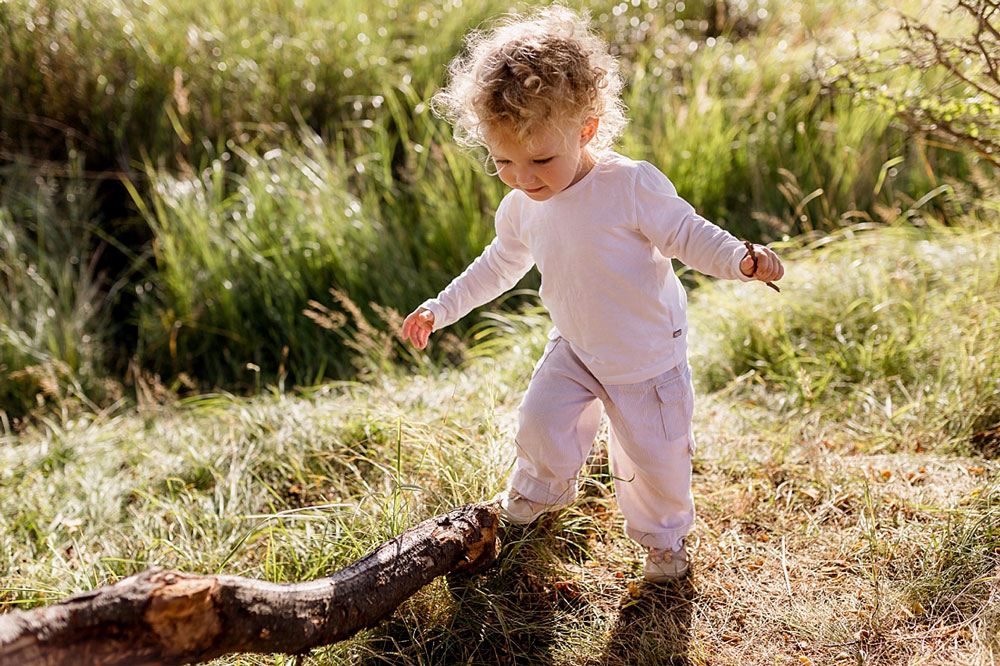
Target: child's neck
[{"x": 587, "y": 162}]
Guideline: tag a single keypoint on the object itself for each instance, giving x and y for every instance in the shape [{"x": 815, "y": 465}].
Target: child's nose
[{"x": 525, "y": 175}]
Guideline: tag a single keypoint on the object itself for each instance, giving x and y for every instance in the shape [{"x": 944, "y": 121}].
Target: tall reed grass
[
  {"x": 54, "y": 314},
  {"x": 241, "y": 253},
  {"x": 274, "y": 152},
  {"x": 125, "y": 78}
]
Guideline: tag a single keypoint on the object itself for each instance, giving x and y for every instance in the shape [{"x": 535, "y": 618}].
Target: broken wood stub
[{"x": 162, "y": 617}]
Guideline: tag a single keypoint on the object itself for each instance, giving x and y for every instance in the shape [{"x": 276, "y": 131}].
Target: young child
[{"x": 542, "y": 94}]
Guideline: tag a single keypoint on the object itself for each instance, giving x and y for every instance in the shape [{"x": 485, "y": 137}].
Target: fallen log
[{"x": 163, "y": 617}]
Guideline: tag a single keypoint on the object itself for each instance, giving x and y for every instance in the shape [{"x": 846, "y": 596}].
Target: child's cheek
[{"x": 504, "y": 175}]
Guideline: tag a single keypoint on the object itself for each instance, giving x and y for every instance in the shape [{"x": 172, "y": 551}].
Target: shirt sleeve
[
  {"x": 501, "y": 265},
  {"x": 675, "y": 229}
]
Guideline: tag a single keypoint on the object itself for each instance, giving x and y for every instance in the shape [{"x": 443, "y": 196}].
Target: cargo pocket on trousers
[{"x": 676, "y": 408}]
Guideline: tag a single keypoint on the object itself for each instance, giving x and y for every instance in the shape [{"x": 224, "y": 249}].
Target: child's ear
[{"x": 589, "y": 131}]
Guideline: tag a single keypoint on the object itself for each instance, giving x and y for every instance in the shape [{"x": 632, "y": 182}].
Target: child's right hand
[{"x": 417, "y": 327}]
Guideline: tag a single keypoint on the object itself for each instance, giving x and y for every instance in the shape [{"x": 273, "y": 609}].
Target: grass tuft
[{"x": 894, "y": 332}]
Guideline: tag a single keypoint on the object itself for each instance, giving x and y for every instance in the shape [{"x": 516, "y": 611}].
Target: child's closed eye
[{"x": 543, "y": 161}]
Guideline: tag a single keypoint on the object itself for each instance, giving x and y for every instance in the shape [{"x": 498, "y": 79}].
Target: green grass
[
  {"x": 121, "y": 79},
  {"x": 895, "y": 332},
  {"x": 242, "y": 252},
  {"x": 181, "y": 189},
  {"x": 820, "y": 536}
]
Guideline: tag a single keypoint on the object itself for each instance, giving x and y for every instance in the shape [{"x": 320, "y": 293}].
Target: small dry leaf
[
  {"x": 811, "y": 493},
  {"x": 971, "y": 496},
  {"x": 842, "y": 499}
]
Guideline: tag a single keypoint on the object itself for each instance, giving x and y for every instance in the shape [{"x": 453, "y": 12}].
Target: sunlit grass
[{"x": 848, "y": 427}]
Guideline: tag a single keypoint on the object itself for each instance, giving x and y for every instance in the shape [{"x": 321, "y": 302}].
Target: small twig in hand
[{"x": 753, "y": 255}]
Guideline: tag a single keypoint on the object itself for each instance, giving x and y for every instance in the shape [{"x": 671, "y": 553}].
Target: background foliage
[{"x": 183, "y": 179}]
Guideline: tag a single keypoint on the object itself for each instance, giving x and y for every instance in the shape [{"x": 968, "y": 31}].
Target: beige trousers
[{"x": 649, "y": 448}]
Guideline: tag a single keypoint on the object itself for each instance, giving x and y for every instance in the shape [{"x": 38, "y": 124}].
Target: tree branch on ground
[{"x": 167, "y": 617}]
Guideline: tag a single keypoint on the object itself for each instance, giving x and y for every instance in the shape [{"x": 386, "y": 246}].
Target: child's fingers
[
  {"x": 419, "y": 337},
  {"x": 418, "y": 324},
  {"x": 425, "y": 323},
  {"x": 409, "y": 327},
  {"x": 769, "y": 267}
]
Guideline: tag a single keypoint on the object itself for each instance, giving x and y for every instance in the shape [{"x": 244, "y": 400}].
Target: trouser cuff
[
  {"x": 542, "y": 492},
  {"x": 672, "y": 539}
]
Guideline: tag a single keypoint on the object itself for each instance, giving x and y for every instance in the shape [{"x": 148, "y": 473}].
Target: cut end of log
[
  {"x": 482, "y": 552},
  {"x": 183, "y": 612}
]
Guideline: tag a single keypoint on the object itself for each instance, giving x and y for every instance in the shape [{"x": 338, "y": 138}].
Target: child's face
[{"x": 552, "y": 161}]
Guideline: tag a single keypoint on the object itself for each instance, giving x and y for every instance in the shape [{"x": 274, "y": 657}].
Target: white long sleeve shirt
[{"x": 603, "y": 247}]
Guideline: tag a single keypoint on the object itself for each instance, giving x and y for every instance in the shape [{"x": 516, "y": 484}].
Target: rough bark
[{"x": 170, "y": 617}]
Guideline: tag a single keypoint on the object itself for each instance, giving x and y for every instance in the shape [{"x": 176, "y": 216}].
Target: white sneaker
[
  {"x": 518, "y": 509},
  {"x": 665, "y": 564}
]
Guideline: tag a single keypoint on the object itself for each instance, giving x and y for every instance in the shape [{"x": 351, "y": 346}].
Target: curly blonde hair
[{"x": 531, "y": 72}]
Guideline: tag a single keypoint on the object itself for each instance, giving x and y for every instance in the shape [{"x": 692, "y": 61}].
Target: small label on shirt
[{"x": 677, "y": 333}]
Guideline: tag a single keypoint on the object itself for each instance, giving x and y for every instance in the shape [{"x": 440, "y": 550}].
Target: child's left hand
[
  {"x": 769, "y": 268},
  {"x": 417, "y": 327}
]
